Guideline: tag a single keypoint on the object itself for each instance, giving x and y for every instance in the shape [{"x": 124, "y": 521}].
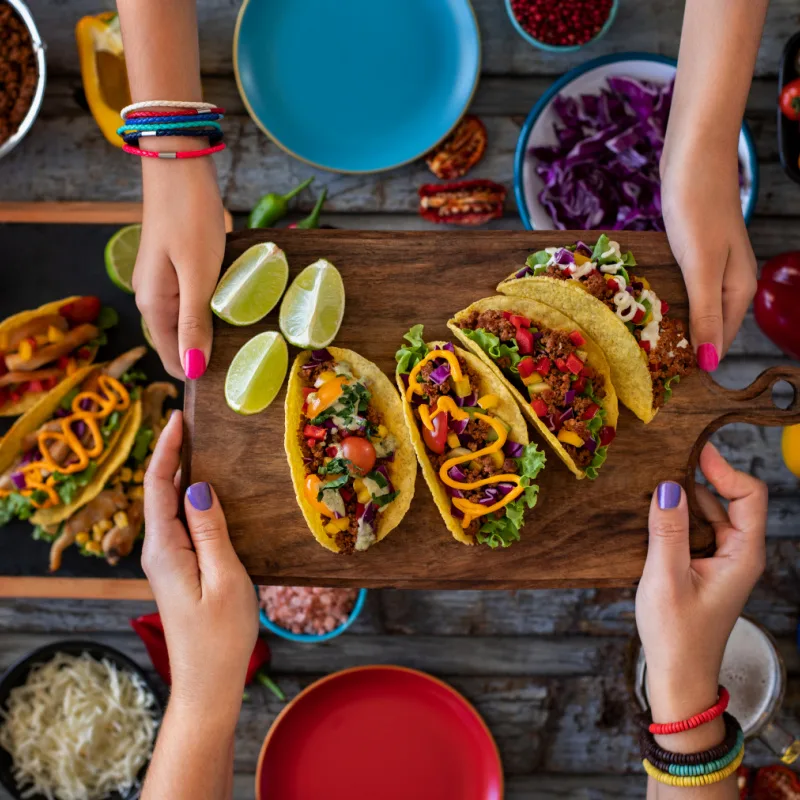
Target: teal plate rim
[{"x": 264, "y": 129}]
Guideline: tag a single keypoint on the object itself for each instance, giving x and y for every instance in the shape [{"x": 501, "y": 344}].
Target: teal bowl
[
  {"x": 311, "y": 638},
  {"x": 554, "y": 48}
]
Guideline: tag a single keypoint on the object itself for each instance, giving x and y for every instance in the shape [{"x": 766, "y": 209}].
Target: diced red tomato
[
  {"x": 519, "y": 321},
  {"x": 645, "y": 345},
  {"x": 639, "y": 316},
  {"x": 331, "y": 451},
  {"x": 63, "y": 362},
  {"x": 579, "y": 385},
  {"x": 315, "y": 432},
  {"x": 80, "y": 311},
  {"x": 3, "y": 367},
  {"x": 35, "y": 386},
  {"x": 525, "y": 341},
  {"x": 506, "y": 315},
  {"x": 664, "y": 307},
  {"x": 561, "y": 365},
  {"x": 543, "y": 365},
  {"x": 347, "y": 493},
  {"x": 526, "y": 367},
  {"x": 540, "y": 407},
  {"x": 307, "y": 390},
  {"x": 84, "y": 354},
  {"x": 576, "y": 337},
  {"x": 311, "y": 442},
  {"x": 359, "y": 509},
  {"x": 15, "y": 395},
  {"x": 586, "y": 372},
  {"x": 607, "y": 434},
  {"x": 591, "y": 410},
  {"x": 49, "y": 383},
  {"x": 437, "y": 438},
  {"x": 360, "y": 453},
  {"x": 574, "y": 364}
]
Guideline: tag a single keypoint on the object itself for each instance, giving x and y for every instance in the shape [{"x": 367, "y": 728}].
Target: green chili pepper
[
  {"x": 312, "y": 220},
  {"x": 272, "y": 207}
]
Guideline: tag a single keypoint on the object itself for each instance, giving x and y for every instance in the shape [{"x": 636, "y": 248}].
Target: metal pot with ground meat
[{"x": 22, "y": 73}]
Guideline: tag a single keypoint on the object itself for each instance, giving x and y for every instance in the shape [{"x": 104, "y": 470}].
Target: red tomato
[
  {"x": 524, "y": 341},
  {"x": 607, "y": 434},
  {"x": 437, "y": 438},
  {"x": 790, "y": 100},
  {"x": 80, "y": 311},
  {"x": 360, "y": 453},
  {"x": 3, "y": 367},
  {"x": 776, "y": 300}
]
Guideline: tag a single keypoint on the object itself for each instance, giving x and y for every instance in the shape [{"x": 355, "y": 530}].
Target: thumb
[
  {"x": 668, "y": 548},
  {"x": 705, "y": 318},
  {"x": 208, "y": 529},
  {"x": 194, "y": 330}
]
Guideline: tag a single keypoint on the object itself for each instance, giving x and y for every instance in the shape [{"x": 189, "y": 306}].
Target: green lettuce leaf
[
  {"x": 597, "y": 462},
  {"x": 494, "y": 348},
  {"x": 15, "y": 505},
  {"x": 409, "y": 355},
  {"x": 68, "y": 486},
  {"x": 537, "y": 259},
  {"x": 668, "y": 386}
]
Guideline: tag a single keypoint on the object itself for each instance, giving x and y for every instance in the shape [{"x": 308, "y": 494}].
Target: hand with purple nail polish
[{"x": 685, "y": 607}]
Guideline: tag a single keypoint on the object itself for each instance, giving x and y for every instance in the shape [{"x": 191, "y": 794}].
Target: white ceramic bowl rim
[{"x": 747, "y": 152}]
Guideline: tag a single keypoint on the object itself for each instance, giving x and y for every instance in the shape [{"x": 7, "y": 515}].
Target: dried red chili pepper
[
  {"x": 460, "y": 151},
  {"x": 151, "y": 631},
  {"x": 462, "y": 203}
]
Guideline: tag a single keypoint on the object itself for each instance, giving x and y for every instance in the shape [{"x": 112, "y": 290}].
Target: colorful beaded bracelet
[
  {"x": 133, "y": 127},
  {"x": 187, "y": 104},
  {"x": 206, "y": 151},
  {"x": 653, "y": 752},
  {"x": 214, "y": 136},
  {"x": 701, "y": 769},
  {"x": 661, "y": 729},
  {"x": 693, "y": 780},
  {"x": 177, "y": 112},
  {"x": 168, "y": 119}
]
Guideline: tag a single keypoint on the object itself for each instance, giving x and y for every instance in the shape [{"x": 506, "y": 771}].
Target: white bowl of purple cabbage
[{"x": 587, "y": 157}]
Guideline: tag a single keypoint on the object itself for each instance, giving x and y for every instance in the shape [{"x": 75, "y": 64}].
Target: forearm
[
  {"x": 719, "y": 44},
  {"x": 193, "y": 759}
]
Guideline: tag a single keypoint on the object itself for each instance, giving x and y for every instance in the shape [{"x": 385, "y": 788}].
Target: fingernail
[
  {"x": 669, "y": 494},
  {"x": 707, "y": 357},
  {"x": 194, "y": 363},
  {"x": 199, "y": 495}
]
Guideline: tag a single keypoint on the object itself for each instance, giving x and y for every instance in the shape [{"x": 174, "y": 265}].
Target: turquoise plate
[{"x": 356, "y": 86}]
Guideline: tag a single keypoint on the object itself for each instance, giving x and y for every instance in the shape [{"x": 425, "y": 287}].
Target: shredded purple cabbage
[
  {"x": 568, "y": 414},
  {"x": 458, "y": 425},
  {"x": 590, "y": 444},
  {"x": 369, "y": 512},
  {"x": 505, "y": 488},
  {"x": 549, "y": 423},
  {"x": 513, "y": 449},
  {"x": 449, "y": 347},
  {"x": 455, "y": 492},
  {"x": 320, "y": 356},
  {"x": 470, "y": 400},
  {"x": 564, "y": 256},
  {"x": 457, "y": 474},
  {"x": 569, "y": 397},
  {"x": 441, "y": 373},
  {"x": 19, "y": 480},
  {"x": 456, "y": 512},
  {"x": 523, "y": 272},
  {"x": 33, "y": 454}
]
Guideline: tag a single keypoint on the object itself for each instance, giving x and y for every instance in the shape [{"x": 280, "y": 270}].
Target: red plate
[{"x": 379, "y": 732}]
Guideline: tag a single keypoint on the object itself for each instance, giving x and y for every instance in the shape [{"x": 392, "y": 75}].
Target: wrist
[{"x": 201, "y": 710}]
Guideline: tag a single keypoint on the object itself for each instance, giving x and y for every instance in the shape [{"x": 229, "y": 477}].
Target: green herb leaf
[
  {"x": 40, "y": 534},
  {"x": 111, "y": 424},
  {"x": 107, "y": 318},
  {"x": 385, "y": 499},
  {"x": 668, "y": 386},
  {"x": 378, "y": 478},
  {"x": 336, "y": 466},
  {"x": 336, "y": 483},
  {"x": 409, "y": 355},
  {"x": 134, "y": 376}
]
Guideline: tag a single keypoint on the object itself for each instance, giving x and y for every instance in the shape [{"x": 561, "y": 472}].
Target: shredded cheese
[{"x": 78, "y": 729}]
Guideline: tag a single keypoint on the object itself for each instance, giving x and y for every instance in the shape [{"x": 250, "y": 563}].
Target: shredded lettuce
[
  {"x": 134, "y": 376},
  {"x": 537, "y": 259},
  {"x": 668, "y": 386},
  {"x": 40, "y": 534},
  {"x": 504, "y": 531},
  {"x": 409, "y": 355},
  {"x": 15, "y": 505},
  {"x": 141, "y": 444},
  {"x": 66, "y": 400},
  {"x": 111, "y": 424},
  {"x": 68, "y": 486},
  {"x": 492, "y": 346},
  {"x": 597, "y": 462}
]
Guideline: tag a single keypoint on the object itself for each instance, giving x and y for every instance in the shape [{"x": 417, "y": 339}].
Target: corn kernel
[
  {"x": 99, "y": 529},
  {"x": 97, "y": 535},
  {"x": 137, "y": 493},
  {"x": 358, "y": 484},
  {"x": 138, "y": 476},
  {"x": 82, "y": 537},
  {"x": 126, "y": 475},
  {"x": 383, "y": 431},
  {"x": 488, "y": 401},
  {"x": 72, "y": 367},
  {"x": 94, "y": 547},
  {"x": 452, "y": 440},
  {"x": 25, "y": 350},
  {"x": 363, "y": 496},
  {"x": 54, "y": 334},
  {"x": 121, "y": 519}
]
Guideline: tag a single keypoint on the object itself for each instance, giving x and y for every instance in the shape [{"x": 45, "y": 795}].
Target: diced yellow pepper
[
  {"x": 570, "y": 437},
  {"x": 94, "y": 547},
  {"x": 121, "y": 519},
  {"x": 462, "y": 387},
  {"x": 126, "y": 474},
  {"x": 358, "y": 484},
  {"x": 534, "y": 377},
  {"x": 41, "y": 340},
  {"x": 25, "y": 350},
  {"x": 363, "y": 496},
  {"x": 82, "y": 537},
  {"x": 383, "y": 431},
  {"x": 452, "y": 440},
  {"x": 326, "y": 376},
  {"x": 336, "y": 525},
  {"x": 138, "y": 476},
  {"x": 72, "y": 367},
  {"x": 137, "y": 493},
  {"x": 488, "y": 401},
  {"x": 580, "y": 258},
  {"x": 54, "y": 334},
  {"x": 497, "y": 458}
]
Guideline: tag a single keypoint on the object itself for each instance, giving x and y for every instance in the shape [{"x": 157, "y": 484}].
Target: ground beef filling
[{"x": 669, "y": 360}]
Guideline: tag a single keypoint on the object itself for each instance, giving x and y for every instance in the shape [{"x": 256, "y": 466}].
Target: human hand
[
  {"x": 206, "y": 600},
  {"x": 703, "y": 217},
  {"x": 686, "y": 608},
  {"x": 180, "y": 255}
]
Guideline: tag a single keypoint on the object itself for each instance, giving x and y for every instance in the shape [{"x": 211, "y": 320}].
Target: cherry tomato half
[
  {"x": 80, "y": 311},
  {"x": 360, "y": 453},
  {"x": 437, "y": 438},
  {"x": 790, "y": 100}
]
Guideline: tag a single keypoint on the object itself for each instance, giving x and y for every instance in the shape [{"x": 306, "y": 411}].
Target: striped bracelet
[
  {"x": 654, "y": 753},
  {"x": 661, "y": 729},
  {"x": 187, "y": 104},
  {"x": 206, "y": 151},
  {"x": 693, "y": 780},
  {"x": 132, "y": 127},
  {"x": 175, "y": 112},
  {"x": 687, "y": 770},
  {"x": 167, "y": 119}
]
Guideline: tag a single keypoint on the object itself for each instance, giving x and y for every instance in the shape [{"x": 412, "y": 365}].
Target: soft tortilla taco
[
  {"x": 556, "y": 373},
  {"x": 40, "y": 348},
  {"x": 648, "y": 352},
  {"x": 60, "y": 456},
  {"x": 350, "y": 456},
  {"x": 471, "y": 441}
]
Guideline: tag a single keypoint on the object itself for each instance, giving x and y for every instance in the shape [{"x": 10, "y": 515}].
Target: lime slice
[
  {"x": 313, "y": 307},
  {"x": 147, "y": 337},
  {"x": 252, "y": 286},
  {"x": 256, "y": 373},
  {"x": 121, "y": 253}
]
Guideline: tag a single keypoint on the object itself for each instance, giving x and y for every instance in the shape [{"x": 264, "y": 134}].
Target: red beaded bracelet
[
  {"x": 697, "y": 720},
  {"x": 182, "y": 112},
  {"x": 206, "y": 151}
]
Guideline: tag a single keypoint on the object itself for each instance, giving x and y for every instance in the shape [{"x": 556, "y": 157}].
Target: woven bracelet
[
  {"x": 653, "y": 752},
  {"x": 693, "y": 780}
]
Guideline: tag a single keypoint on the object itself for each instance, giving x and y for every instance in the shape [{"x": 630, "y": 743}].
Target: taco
[
  {"x": 59, "y": 457},
  {"x": 556, "y": 373},
  {"x": 471, "y": 441},
  {"x": 40, "y": 348},
  {"x": 648, "y": 351},
  {"x": 349, "y": 453}
]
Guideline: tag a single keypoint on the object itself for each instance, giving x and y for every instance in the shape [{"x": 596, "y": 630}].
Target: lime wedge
[
  {"x": 256, "y": 373},
  {"x": 120, "y": 255},
  {"x": 313, "y": 307},
  {"x": 147, "y": 337},
  {"x": 252, "y": 286}
]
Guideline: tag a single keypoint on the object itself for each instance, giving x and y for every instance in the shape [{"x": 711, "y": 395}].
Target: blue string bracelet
[
  {"x": 214, "y": 136},
  {"x": 174, "y": 118},
  {"x": 134, "y": 126}
]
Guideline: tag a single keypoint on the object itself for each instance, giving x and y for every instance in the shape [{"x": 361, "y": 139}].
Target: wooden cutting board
[{"x": 580, "y": 534}]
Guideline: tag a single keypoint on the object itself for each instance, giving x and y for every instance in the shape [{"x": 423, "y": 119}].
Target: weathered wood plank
[{"x": 653, "y": 27}]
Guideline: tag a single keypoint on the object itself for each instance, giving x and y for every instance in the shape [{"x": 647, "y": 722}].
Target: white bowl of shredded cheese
[{"x": 78, "y": 721}]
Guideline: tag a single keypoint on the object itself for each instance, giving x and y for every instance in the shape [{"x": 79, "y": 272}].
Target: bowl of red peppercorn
[
  {"x": 22, "y": 73},
  {"x": 562, "y": 26}
]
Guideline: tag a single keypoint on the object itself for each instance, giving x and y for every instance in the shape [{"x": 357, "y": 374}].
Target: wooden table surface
[{"x": 545, "y": 668}]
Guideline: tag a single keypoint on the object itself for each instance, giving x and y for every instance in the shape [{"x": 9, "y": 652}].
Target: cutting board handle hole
[{"x": 783, "y": 394}]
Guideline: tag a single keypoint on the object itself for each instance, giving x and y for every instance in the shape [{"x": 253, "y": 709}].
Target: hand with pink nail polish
[{"x": 685, "y": 607}]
